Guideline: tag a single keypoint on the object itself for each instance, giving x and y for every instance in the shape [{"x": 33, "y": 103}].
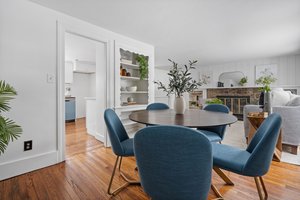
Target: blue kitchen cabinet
[{"x": 70, "y": 105}]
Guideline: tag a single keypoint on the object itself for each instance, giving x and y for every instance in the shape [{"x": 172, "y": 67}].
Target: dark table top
[{"x": 191, "y": 118}]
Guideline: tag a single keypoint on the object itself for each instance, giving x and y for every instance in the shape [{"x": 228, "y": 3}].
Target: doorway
[
  {"x": 83, "y": 84},
  {"x": 80, "y": 93}
]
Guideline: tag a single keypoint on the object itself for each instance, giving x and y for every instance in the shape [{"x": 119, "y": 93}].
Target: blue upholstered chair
[
  {"x": 121, "y": 144},
  {"x": 255, "y": 160},
  {"x": 215, "y": 134},
  {"x": 174, "y": 162},
  {"x": 157, "y": 106}
]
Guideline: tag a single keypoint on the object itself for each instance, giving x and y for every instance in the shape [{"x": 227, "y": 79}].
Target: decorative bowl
[{"x": 131, "y": 88}]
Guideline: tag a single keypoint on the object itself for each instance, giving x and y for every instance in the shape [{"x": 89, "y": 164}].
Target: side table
[{"x": 256, "y": 119}]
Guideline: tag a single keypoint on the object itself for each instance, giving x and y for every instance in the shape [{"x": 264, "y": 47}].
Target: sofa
[{"x": 288, "y": 106}]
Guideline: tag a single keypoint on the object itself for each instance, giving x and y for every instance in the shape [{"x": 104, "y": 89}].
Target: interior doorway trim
[{"x": 85, "y": 32}]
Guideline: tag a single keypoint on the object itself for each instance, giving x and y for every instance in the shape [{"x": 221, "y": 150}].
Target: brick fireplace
[{"x": 235, "y": 98}]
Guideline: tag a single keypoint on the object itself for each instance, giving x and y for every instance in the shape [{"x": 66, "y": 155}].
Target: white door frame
[{"x": 85, "y": 32}]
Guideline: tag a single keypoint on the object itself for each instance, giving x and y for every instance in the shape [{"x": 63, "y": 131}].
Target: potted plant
[
  {"x": 214, "y": 101},
  {"x": 243, "y": 81},
  {"x": 143, "y": 66},
  {"x": 180, "y": 81},
  {"x": 266, "y": 80},
  {"x": 9, "y": 130}
]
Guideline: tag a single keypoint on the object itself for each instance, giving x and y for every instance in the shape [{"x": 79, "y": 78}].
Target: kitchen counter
[{"x": 67, "y": 97}]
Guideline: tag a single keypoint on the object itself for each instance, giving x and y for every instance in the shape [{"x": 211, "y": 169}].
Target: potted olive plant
[
  {"x": 265, "y": 81},
  {"x": 9, "y": 130},
  {"x": 180, "y": 81}
]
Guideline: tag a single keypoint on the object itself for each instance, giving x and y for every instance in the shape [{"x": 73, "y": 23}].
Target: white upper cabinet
[
  {"x": 87, "y": 67},
  {"x": 68, "y": 72}
]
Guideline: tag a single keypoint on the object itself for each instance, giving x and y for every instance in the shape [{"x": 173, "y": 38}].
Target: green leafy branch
[
  {"x": 143, "y": 66},
  {"x": 265, "y": 81},
  {"x": 9, "y": 130},
  {"x": 180, "y": 80}
]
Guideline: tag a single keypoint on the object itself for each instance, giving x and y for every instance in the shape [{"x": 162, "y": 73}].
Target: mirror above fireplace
[{"x": 231, "y": 79}]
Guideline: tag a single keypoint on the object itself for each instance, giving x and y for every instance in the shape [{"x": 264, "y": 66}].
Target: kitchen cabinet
[
  {"x": 86, "y": 67},
  {"x": 70, "y": 109}
]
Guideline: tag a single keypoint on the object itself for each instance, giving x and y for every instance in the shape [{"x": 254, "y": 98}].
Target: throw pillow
[
  {"x": 294, "y": 102},
  {"x": 280, "y": 97}
]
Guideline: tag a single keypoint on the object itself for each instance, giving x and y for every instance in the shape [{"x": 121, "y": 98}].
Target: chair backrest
[
  {"x": 157, "y": 106},
  {"x": 174, "y": 162},
  {"x": 220, "y": 130},
  {"x": 217, "y": 108},
  {"x": 262, "y": 146},
  {"x": 116, "y": 131}
]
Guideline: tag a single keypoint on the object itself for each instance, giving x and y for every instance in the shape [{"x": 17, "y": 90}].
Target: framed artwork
[
  {"x": 266, "y": 70},
  {"x": 206, "y": 77}
]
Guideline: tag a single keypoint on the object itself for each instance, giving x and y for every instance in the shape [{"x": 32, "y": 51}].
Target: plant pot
[
  {"x": 267, "y": 102},
  {"x": 179, "y": 105}
]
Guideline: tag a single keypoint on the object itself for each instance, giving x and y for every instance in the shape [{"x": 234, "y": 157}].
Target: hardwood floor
[{"x": 85, "y": 175}]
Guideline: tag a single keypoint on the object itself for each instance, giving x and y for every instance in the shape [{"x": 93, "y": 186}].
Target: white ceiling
[{"x": 211, "y": 31}]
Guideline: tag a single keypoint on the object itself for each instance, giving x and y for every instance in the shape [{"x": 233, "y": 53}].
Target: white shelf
[
  {"x": 136, "y": 92},
  {"x": 132, "y": 78},
  {"x": 130, "y": 66}
]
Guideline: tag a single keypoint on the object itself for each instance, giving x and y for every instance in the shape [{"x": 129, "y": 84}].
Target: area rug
[{"x": 235, "y": 137}]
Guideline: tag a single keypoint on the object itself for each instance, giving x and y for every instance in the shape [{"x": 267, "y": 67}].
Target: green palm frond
[
  {"x": 9, "y": 131},
  {"x": 6, "y": 93}
]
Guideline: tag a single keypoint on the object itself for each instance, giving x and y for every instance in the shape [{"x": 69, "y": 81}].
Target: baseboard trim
[
  {"x": 28, "y": 164},
  {"x": 91, "y": 132},
  {"x": 99, "y": 137}
]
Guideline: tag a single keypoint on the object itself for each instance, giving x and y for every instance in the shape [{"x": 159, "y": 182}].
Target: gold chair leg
[
  {"x": 216, "y": 191},
  {"x": 260, "y": 183},
  {"x": 128, "y": 181},
  {"x": 120, "y": 163},
  {"x": 223, "y": 176}
]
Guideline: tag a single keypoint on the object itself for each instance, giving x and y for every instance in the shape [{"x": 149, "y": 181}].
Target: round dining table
[{"x": 193, "y": 118}]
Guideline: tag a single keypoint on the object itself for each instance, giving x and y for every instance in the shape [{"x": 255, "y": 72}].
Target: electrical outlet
[{"x": 28, "y": 145}]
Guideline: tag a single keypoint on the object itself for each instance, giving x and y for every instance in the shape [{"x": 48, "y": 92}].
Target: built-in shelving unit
[{"x": 125, "y": 61}]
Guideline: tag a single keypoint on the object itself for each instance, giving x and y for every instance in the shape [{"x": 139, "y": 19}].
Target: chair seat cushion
[
  {"x": 127, "y": 146},
  {"x": 229, "y": 158},
  {"x": 213, "y": 137}
]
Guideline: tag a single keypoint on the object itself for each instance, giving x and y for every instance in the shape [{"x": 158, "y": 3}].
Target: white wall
[
  {"x": 288, "y": 69},
  {"x": 27, "y": 54},
  {"x": 93, "y": 85},
  {"x": 83, "y": 86}
]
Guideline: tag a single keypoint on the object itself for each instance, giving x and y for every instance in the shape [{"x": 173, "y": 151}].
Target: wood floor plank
[{"x": 86, "y": 172}]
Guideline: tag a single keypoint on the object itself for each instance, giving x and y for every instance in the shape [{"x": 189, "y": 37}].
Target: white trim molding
[
  {"x": 63, "y": 28},
  {"x": 17, "y": 167}
]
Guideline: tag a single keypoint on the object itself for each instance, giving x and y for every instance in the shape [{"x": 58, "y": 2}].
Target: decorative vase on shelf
[
  {"x": 267, "y": 102},
  {"x": 179, "y": 105}
]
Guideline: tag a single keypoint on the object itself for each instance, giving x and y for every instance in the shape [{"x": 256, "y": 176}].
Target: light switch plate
[{"x": 50, "y": 78}]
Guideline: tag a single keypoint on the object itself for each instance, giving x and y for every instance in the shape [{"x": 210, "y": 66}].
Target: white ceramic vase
[{"x": 179, "y": 105}]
